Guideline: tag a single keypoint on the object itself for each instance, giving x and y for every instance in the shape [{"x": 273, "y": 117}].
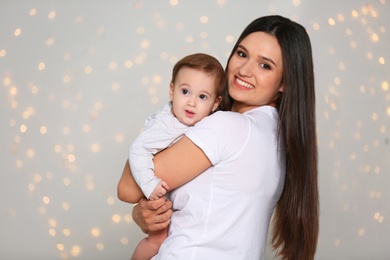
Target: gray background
[{"x": 78, "y": 78}]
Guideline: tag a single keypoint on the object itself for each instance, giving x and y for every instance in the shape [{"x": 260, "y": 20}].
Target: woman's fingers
[{"x": 152, "y": 215}]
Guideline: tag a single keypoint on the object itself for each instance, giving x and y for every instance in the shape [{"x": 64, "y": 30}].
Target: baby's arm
[
  {"x": 160, "y": 132},
  {"x": 160, "y": 190},
  {"x": 142, "y": 167}
]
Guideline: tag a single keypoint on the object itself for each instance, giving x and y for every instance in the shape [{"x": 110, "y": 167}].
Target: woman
[{"x": 262, "y": 158}]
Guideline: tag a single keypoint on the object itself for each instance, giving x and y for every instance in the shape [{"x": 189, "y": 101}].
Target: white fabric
[
  {"x": 162, "y": 129},
  {"x": 225, "y": 212}
]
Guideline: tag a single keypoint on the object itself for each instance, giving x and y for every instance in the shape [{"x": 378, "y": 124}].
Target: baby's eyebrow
[{"x": 205, "y": 92}]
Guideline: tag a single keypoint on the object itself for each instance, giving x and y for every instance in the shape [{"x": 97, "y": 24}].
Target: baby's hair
[{"x": 205, "y": 63}]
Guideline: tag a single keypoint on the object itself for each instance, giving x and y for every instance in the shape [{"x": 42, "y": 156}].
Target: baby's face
[{"x": 193, "y": 95}]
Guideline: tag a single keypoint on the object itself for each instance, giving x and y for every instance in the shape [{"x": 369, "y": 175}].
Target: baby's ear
[
  {"x": 171, "y": 87},
  {"x": 216, "y": 103}
]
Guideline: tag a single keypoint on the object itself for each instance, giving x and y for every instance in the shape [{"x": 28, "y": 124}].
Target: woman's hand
[{"x": 152, "y": 215}]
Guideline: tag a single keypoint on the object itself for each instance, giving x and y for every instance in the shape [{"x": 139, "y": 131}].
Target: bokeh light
[{"x": 78, "y": 80}]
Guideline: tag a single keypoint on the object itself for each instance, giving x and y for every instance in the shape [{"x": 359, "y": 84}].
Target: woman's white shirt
[{"x": 224, "y": 213}]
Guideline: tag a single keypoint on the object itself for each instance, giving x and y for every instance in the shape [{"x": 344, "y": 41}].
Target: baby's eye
[
  {"x": 203, "y": 97},
  {"x": 184, "y": 91}
]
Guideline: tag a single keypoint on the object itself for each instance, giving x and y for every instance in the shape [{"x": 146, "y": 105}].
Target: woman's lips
[{"x": 242, "y": 84}]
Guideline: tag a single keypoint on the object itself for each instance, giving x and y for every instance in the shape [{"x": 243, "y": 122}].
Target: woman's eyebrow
[
  {"x": 260, "y": 56},
  {"x": 267, "y": 59}
]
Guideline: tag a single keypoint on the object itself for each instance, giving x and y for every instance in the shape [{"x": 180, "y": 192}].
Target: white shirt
[{"x": 224, "y": 213}]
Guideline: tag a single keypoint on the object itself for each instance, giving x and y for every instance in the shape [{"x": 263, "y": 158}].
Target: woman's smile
[{"x": 244, "y": 84}]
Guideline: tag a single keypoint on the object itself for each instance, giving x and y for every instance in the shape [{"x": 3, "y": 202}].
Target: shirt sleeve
[{"x": 221, "y": 136}]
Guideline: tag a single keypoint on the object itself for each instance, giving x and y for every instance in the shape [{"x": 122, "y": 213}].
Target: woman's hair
[
  {"x": 296, "y": 217},
  {"x": 205, "y": 63}
]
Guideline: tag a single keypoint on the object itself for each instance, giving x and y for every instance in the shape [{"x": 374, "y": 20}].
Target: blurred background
[{"x": 78, "y": 79}]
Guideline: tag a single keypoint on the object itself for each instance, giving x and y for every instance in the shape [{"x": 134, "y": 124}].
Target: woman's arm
[
  {"x": 149, "y": 215},
  {"x": 176, "y": 165},
  {"x": 128, "y": 190},
  {"x": 180, "y": 163}
]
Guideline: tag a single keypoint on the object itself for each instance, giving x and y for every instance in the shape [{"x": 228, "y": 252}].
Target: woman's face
[{"x": 255, "y": 72}]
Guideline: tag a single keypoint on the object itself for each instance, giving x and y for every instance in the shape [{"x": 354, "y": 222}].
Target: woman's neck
[{"x": 242, "y": 107}]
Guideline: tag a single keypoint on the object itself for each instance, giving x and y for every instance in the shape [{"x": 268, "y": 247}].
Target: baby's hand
[{"x": 159, "y": 191}]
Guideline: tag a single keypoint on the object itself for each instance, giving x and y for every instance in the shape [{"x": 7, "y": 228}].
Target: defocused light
[
  {"x": 145, "y": 44},
  {"x": 53, "y": 223},
  {"x": 18, "y": 32},
  {"x": 229, "y": 39},
  {"x": 46, "y": 200},
  {"x": 95, "y": 232},
  {"x": 189, "y": 39},
  {"x": 60, "y": 247},
  {"x": 75, "y": 251},
  {"x": 33, "y": 12},
  {"x": 66, "y": 232},
  {"x": 174, "y": 2},
  {"x": 100, "y": 246},
  {"x": 52, "y": 15},
  {"x": 41, "y": 66},
  {"x": 296, "y": 2},
  {"x": 116, "y": 218},
  {"x": 124, "y": 241},
  {"x": 52, "y": 232},
  {"x": 204, "y": 19}
]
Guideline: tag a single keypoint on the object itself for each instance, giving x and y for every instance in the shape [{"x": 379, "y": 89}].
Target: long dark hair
[{"x": 296, "y": 217}]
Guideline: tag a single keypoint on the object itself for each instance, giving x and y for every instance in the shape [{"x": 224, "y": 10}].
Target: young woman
[{"x": 232, "y": 169}]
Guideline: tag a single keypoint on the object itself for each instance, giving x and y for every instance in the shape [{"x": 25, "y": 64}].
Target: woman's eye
[
  {"x": 241, "y": 54},
  {"x": 265, "y": 66}
]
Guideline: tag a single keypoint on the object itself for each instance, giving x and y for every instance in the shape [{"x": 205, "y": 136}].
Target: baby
[{"x": 195, "y": 92}]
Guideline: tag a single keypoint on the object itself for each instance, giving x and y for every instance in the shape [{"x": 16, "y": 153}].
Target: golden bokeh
[{"x": 78, "y": 81}]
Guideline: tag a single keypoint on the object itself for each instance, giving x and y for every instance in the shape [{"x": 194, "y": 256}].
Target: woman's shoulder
[
  {"x": 221, "y": 135},
  {"x": 260, "y": 114},
  {"x": 263, "y": 110},
  {"x": 227, "y": 117},
  {"x": 224, "y": 123}
]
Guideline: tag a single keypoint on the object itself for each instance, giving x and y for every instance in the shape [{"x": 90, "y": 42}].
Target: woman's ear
[
  {"x": 281, "y": 89},
  {"x": 216, "y": 103}
]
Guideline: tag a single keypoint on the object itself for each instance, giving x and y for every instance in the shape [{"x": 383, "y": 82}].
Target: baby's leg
[
  {"x": 149, "y": 246},
  {"x": 159, "y": 191}
]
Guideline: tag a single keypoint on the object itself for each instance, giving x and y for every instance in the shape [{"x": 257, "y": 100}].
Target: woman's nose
[{"x": 245, "y": 69}]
